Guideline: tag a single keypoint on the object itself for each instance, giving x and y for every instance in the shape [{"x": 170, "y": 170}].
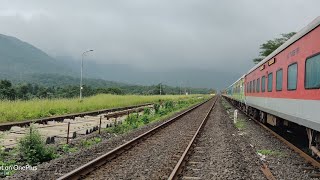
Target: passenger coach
[{"x": 284, "y": 89}]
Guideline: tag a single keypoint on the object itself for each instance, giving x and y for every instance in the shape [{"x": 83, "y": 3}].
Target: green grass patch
[
  {"x": 270, "y": 152},
  {"x": 240, "y": 124},
  {"x": 226, "y": 104},
  {"x": 66, "y": 148},
  {"x": 90, "y": 142},
  {"x": 160, "y": 111},
  {"x": 11, "y": 111}
]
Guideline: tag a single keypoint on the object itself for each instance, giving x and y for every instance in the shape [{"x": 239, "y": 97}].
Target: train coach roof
[
  {"x": 315, "y": 23},
  {"x": 236, "y": 81}
]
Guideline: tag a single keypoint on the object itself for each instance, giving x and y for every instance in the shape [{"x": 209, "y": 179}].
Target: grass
[
  {"x": 270, "y": 152},
  {"x": 66, "y": 148},
  {"x": 11, "y": 111},
  {"x": 226, "y": 105},
  {"x": 240, "y": 124},
  {"x": 90, "y": 142},
  {"x": 32, "y": 149},
  {"x": 160, "y": 112}
]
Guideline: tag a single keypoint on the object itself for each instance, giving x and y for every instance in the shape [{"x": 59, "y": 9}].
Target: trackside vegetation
[
  {"x": 32, "y": 149},
  {"x": 20, "y": 110},
  {"x": 160, "y": 111}
]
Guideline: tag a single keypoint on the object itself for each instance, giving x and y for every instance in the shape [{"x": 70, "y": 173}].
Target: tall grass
[{"x": 38, "y": 108}]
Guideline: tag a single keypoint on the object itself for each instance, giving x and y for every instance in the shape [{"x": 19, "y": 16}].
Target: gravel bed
[
  {"x": 221, "y": 153},
  {"x": 60, "y": 166},
  {"x": 284, "y": 163},
  {"x": 155, "y": 157}
]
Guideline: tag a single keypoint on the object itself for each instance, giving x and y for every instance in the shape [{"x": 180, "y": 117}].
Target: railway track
[
  {"x": 308, "y": 159},
  {"x": 9, "y": 125},
  {"x": 158, "y": 153},
  {"x": 69, "y": 126},
  {"x": 218, "y": 153}
]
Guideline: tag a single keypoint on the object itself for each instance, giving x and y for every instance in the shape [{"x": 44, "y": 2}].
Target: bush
[
  {"x": 33, "y": 149},
  {"x": 156, "y": 108},
  {"x": 4, "y": 173},
  {"x": 169, "y": 105},
  {"x": 66, "y": 148},
  {"x": 145, "y": 119},
  {"x": 131, "y": 119},
  {"x": 163, "y": 112},
  {"x": 147, "y": 111}
]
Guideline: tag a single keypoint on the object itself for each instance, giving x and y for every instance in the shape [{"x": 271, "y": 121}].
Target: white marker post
[{"x": 235, "y": 116}]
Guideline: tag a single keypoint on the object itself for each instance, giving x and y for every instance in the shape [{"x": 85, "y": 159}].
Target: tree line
[{"x": 26, "y": 91}]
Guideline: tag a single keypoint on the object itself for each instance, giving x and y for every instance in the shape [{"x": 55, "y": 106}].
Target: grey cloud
[{"x": 205, "y": 34}]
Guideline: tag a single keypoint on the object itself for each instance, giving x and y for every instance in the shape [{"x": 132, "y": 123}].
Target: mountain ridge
[{"x": 23, "y": 62}]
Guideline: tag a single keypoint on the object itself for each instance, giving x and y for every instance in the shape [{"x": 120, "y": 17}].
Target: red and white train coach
[{"x": 284, "y": 89}]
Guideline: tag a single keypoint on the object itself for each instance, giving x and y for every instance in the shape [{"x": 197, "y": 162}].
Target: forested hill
[
  {"x": 18, "y": 58},
  {"x": 22, "y": 63}
]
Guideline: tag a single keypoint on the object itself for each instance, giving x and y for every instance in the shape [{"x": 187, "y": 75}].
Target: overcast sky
[{"x": 210, "y": 34}]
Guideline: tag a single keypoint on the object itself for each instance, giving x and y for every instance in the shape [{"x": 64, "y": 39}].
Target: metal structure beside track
[{"x": 96, "y": 163}]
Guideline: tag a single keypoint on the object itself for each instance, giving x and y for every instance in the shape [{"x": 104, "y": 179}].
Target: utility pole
[
  {"x": 81, "y": 74},
  {"x": 160, "y": 88}
]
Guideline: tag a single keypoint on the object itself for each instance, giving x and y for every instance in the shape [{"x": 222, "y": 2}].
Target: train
[{"x": 283, "y": 90}]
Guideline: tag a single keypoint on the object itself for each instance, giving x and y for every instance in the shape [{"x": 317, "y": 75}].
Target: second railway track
[{"x": 152, "y": 155}]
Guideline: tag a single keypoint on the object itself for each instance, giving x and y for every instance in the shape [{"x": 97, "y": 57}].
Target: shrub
[
  {"x": 147, "y": 111},
  {"x": 156, "y": 108},
  {"x": 145, "y": 119},
  {"x": 162, "y": 112},
  {"x": 4, "y": 173},
  {"x": 118, "y": 129},
  {"x": 131, "y": 119},
  {"x": 66, "y": 148},
  {"x": 32, "y": 148},
  {"x": 169, "y": 105}
]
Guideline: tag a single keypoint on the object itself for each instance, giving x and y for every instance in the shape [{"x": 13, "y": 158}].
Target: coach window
[
  {"x": 270, "y": 76},
  {"x": 253, "y": 85},
  {"x": 250, "y": 89},
  {"x": 292, "y": 76},
  {"x": 279, "y": 80},
  {"x": 247, "y": 87},
  {"x": 258, "y": 85},
  {"x": 263, "y": 84},
  {"x": 312, "y": 73}
]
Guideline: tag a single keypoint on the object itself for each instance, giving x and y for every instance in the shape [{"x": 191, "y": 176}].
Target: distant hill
[
  {"x": 22, "y": 62},
  {"x": 195, "y": 77},
  {"x": 18, "y": 58}
]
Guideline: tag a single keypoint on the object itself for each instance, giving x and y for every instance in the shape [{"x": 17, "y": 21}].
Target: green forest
[{"x": 27, "y": 91}]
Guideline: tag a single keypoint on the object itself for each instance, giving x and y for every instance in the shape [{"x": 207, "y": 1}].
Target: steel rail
[
  {"x": 179, "y": 166},
  {"x": 304, "y": 155},
  {"x": 83, "y": 170},
  {"x": 7, "y": 126}
]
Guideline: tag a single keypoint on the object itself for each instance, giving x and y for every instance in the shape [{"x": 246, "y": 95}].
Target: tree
[
  {"x": 24, "y": 91},
  {"x": 6, "y": 90},
  {"x": 271, "y": 45},
  {"x": 114, "y": 90}
]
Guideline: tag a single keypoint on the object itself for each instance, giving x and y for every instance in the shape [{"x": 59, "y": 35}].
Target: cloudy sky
[{"x": 156, "y": 34}]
